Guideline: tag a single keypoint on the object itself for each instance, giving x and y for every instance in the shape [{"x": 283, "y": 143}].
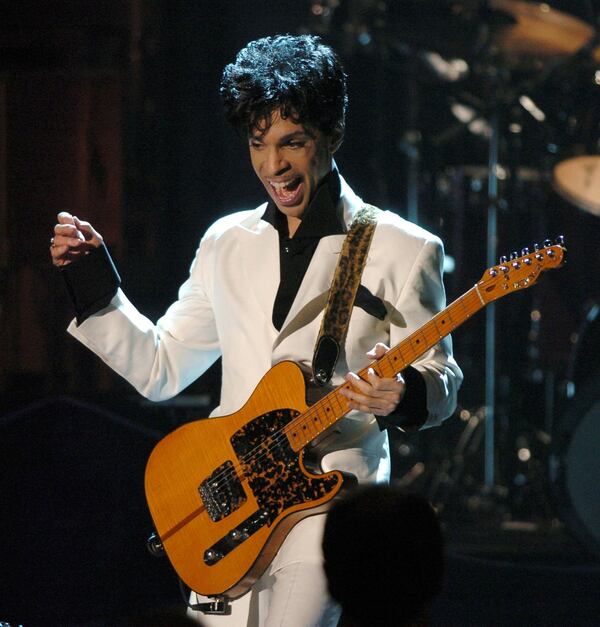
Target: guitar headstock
[{"x": 517, "y": 273}]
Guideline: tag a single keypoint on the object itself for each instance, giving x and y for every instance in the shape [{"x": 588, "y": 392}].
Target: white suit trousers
[{"x": 291, "y": 593}]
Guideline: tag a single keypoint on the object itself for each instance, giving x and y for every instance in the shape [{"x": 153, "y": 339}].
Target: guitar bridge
[{"x": 222, "y": 492}]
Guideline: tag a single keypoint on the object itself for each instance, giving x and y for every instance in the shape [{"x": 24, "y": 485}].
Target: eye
[
  {"x": 255, "y": 144},
  {"x": 296, "y": 143}
]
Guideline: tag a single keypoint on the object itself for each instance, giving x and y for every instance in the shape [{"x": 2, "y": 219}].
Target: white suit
[{"x": 225, "y": 308}]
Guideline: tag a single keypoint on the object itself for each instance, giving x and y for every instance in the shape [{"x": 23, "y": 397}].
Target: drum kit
[{"x": 510, "y": 73}]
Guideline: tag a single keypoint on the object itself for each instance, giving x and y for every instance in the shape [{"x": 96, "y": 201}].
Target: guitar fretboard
[{"x": 332, "y": 407}]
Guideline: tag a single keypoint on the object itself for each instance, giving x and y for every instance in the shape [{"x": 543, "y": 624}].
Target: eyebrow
[{"x": 285, "y": 138}]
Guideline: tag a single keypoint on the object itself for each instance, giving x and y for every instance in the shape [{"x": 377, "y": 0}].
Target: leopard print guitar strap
[{"x": 342, "y": 293}]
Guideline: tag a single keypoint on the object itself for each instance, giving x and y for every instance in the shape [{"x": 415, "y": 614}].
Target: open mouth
[{"x": 287, "y": 193}]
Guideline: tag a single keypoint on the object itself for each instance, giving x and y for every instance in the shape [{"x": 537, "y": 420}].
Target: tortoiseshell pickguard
[{"x": 273, "y": 467}]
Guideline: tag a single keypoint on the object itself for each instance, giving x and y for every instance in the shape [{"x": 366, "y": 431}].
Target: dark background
[{"x": 110, "y": 110}]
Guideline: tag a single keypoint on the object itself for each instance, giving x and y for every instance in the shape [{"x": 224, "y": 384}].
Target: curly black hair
[{"x": 299, "y": 75}]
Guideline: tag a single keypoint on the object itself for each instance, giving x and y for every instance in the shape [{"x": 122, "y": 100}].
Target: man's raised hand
[{"x": 72, "y": 238}]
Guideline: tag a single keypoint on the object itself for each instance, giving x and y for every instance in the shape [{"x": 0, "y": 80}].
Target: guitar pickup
[
  {"x": 222, "y": 492},
  {"x": 236, "y": 536}
]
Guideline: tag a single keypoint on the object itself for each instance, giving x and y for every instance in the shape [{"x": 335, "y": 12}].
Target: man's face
[{"x": 290, "y": 161}]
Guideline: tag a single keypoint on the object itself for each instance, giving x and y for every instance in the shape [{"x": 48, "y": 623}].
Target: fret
[
  {"x": 440, "y": 327},
  {"x": 330, "y": 415},
  {"x": 388, "y": 364},
  {"x": 318, "y": 416},
  {"x": 414, "y": 347},
  {"x": 466, "y": 312},
  {"x": 448, "y": 313},
  {"x": 396, "y": 359},
  {"x": 309, "y": 429}
]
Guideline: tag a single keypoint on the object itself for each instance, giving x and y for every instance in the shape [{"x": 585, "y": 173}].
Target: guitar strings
[{"x": 279, "y": 437}]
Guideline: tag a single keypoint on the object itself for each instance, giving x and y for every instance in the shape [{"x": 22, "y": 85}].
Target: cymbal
[
  {"x": 452, "y": 28},
  {"x": 538, "y": 33},
  {"x": 577, "y": 180}
]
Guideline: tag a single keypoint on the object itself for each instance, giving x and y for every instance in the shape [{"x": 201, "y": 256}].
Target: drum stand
[
  {"x": 490, "y": 312},
  {"x": 492, "y": 238}
]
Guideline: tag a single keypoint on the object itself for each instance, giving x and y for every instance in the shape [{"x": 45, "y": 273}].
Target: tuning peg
[
  {"x": 536, "y": 247},
  {"x": 503, "y": 259},
  {"x": 514, "y": 255},
  {"x": 560, "y": 240},
  {"x": 547, "y": 243},
  {"x": 524, "y": 251}
]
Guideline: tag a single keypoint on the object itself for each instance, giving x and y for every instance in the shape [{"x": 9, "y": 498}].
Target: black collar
[{"x": 323, "y": 216}]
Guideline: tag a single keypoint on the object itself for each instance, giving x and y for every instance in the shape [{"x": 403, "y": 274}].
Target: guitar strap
[{"x": 342, "y": 293}]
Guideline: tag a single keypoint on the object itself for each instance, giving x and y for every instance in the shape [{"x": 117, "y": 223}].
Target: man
[{"x": 256, "y": 293}]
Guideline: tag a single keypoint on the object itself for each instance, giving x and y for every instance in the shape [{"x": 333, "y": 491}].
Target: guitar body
[{"x": 224, "y": 492}]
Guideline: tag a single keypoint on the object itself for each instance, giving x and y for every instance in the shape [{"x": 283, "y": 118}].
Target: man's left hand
[{"x": 377, "y": 395}]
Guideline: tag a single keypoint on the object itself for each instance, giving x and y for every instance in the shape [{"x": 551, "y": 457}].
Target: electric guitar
[{"x": 224, "y": 492}]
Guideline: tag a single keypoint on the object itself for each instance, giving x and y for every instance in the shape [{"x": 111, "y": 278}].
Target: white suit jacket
[{"x": 225, "y": 308}]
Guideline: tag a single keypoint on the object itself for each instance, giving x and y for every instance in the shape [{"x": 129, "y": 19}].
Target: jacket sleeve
[
  {"x": 160, "y": 359},
  {"x": 91, "y": 282},
  {"x": 421, "y": 298}
]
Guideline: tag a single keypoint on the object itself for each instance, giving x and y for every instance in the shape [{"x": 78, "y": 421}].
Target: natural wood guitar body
[{"x": 282, "y": 489}]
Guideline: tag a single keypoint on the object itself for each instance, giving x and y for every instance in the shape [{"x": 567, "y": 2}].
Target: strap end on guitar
[{"x": 325, "y": 357}]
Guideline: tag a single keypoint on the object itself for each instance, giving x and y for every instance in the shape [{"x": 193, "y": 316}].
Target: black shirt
[{"x": 323, "y": 217}]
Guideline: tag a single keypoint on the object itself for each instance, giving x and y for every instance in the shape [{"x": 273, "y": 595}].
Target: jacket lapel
[
  {"x": 260, "y": 267},
  {"x": 312, "y": 296}
]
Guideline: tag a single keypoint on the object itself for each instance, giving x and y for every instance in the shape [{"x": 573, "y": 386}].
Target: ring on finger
[{"x": 52, "y": 244}]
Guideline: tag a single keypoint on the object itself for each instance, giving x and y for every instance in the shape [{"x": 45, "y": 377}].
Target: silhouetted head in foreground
[{"x": 384, "y": 557}]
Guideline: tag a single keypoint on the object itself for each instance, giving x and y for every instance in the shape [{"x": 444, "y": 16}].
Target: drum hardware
[
  {"x": 580, "y": 357},
  {"x": 574, "y": 462},
  {"x": 527, "y": 466},
  {"x": 574, "y": 465},
  {"x": 444, "y": 466},
  {"x": 515, "y": 47},
  {"x": 409, "y": 477},
  {"x": 447, "y": 471},
  {"x": 511, "y": 50},
  {"x": 448, "y": 70},
  {"x": 451, "y": 472},
  {"x": 514, "y": 34}
]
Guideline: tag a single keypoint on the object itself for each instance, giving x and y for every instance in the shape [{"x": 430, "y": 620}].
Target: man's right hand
[{"x": 72, "y": 238}]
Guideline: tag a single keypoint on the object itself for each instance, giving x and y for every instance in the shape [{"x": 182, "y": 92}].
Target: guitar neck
[{"x": 332, "y": 407}]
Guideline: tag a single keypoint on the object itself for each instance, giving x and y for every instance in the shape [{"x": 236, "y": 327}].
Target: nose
[{"x": 276, "y": 162}]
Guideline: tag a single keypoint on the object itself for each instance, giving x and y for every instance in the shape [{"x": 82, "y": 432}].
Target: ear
[{"x": 336, "y": 138}]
